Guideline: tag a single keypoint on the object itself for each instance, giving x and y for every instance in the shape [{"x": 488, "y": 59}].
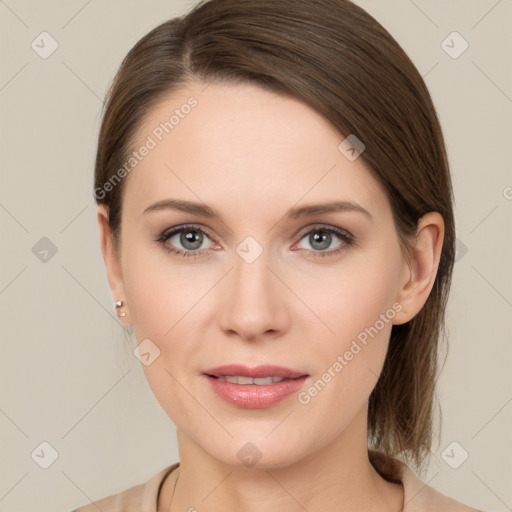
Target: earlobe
[
  {"x": 112, "y": 264},
  {"x": 421, "y": 270}
]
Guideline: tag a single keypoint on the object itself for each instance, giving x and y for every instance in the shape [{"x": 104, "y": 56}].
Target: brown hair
[{"x": 338, "y": 59}]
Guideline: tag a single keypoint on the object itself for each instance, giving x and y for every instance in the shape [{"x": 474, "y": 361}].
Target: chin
[{"x": 258, "y": 452}]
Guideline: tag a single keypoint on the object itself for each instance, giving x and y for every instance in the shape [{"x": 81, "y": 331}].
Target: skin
[{"x": 251, "y": 155}]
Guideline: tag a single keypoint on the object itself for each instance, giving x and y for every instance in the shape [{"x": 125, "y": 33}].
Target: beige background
[{"x": 67, "y": 374}]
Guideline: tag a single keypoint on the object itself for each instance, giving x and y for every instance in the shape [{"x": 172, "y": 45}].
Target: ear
[
  {"x": 419, "y": 273},
  {"x": 112, "y": 260}
]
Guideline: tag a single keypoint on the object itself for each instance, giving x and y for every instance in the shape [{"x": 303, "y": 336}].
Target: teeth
[{"x": 259, "y": 381}]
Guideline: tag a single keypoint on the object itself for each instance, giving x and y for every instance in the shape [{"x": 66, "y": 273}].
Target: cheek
[
  {"x": 352, "y": 297},
  {"x": 347, "y": 368},
  {"x": 358, "y": 309},
  {"x": 159, "y": 291},
  {"x": 161, "y": 301}
]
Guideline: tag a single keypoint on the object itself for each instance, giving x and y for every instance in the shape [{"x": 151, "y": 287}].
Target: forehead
[{"x": 249, "y": 145}]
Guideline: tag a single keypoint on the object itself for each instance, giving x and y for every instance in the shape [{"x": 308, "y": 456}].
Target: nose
[{"x": 254, "y": 305}]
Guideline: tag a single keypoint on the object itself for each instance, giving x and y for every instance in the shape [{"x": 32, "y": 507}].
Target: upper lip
[{"x": 266, "y": 370}]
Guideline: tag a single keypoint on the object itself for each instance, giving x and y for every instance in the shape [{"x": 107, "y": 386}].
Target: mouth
[
  {"x": 254, "y": 388},
  {"x": 258, "y": 372},
  {"x": 243, "y": 381}
]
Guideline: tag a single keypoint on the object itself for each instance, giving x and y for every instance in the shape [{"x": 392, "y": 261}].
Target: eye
[
  {"x": 321, "y": 237},
  {"x": 191, "y": 238},
  {"x": 187, "y": 241}
]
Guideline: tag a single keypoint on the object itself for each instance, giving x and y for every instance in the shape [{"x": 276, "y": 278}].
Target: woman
[{"x": 275, "y": 212}]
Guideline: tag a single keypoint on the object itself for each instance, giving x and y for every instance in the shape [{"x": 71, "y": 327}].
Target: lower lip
[{"x": 252, "y": 396}]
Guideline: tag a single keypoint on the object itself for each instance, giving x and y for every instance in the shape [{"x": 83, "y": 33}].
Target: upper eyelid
[{"x": 167, "y": 233}]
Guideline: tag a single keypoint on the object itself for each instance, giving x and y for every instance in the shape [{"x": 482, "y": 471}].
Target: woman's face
[{"x": 257, "y": 285}]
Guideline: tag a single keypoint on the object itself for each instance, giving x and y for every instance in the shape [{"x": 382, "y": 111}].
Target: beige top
[{"x": 418, "y": 496}]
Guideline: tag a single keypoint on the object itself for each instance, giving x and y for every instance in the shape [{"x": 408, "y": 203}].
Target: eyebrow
[{"x": 204, "y": 210}]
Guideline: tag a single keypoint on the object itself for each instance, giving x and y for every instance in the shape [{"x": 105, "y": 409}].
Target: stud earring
[{"x": 118, "y": 304}]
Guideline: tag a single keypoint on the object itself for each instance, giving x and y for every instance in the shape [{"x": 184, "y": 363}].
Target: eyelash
[{"x": 345, "y": 236}]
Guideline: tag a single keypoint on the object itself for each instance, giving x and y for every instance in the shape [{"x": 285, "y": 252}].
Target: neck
[{"x": 338, "y": 477}]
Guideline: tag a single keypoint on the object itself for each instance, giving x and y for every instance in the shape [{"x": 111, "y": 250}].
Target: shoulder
[
  {"x": 418, "y": 496},
  {"x": 141, "y": 497},
  {"x": 421, "y": 497}
]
